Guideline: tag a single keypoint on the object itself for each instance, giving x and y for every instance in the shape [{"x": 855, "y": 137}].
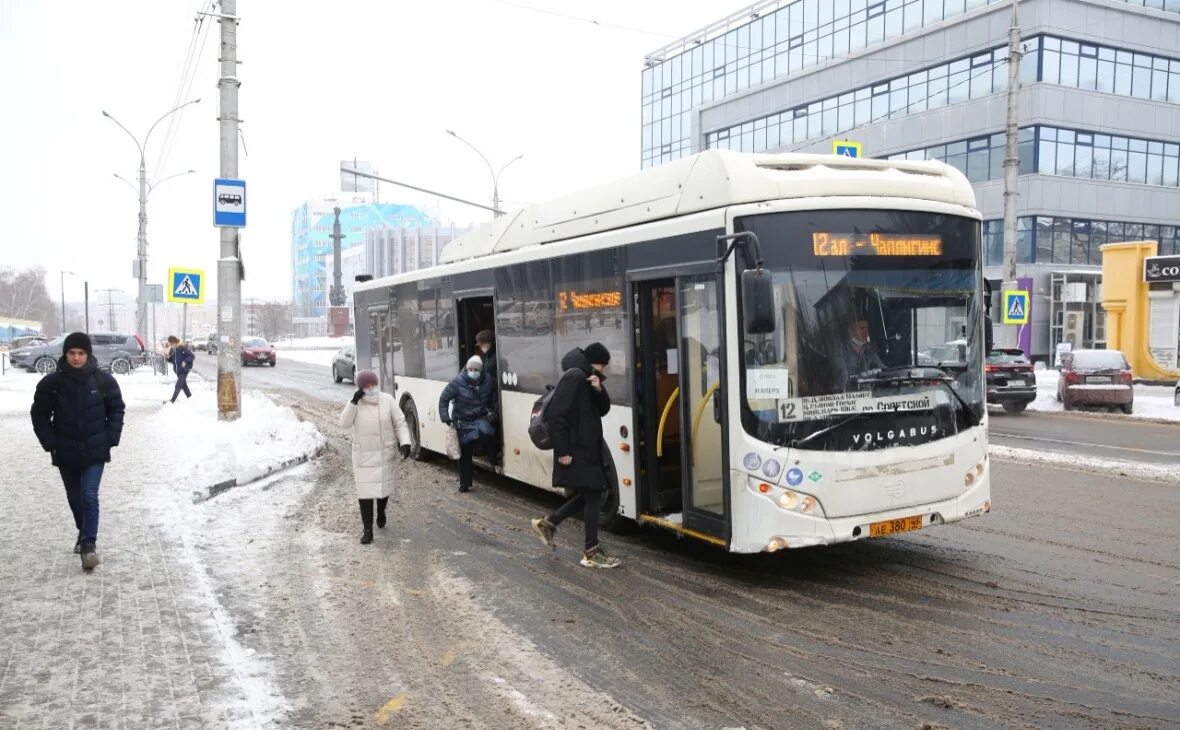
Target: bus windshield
[{"x": 878, "y": 338}]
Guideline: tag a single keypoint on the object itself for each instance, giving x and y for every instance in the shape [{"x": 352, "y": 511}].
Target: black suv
[{"x": 1011, "y": 382}]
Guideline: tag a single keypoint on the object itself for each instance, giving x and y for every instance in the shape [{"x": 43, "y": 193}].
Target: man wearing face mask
[
  {"x": 465, "y": 403},
  {"x": 855, "y": 355},
  {"x": 378, "y": 432},
  {"x": 575, "y": 425}
]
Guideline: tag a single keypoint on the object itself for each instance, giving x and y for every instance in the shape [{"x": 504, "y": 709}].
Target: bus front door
[
  {"x": 680, "y": 405},
  {"x": 702, "y": 406}
]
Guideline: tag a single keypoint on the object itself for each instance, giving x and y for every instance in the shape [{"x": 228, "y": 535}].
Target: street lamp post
[
  {"x": 495, "y": 175},
  {"x": 63, "y": 299},
  {"x": 141, "y": 239}
]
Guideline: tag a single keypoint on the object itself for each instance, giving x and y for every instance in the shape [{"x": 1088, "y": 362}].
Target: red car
[
  {"x": 257, "y": 351},
  {"x": 1096, "y": 377}
]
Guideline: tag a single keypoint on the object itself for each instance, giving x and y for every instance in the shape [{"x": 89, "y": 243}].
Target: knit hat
[
  {"x": 77, "y": 341},
  {"x": 476, "y": 362},
  {"x": 596, "y": 353},
  {"x": 366, "y": 379}
]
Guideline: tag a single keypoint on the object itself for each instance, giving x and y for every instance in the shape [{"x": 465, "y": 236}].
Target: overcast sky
[{"x": 321, "y": 81}]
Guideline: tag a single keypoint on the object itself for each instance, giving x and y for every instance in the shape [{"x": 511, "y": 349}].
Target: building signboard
[{"x": 1161, "y": 269}]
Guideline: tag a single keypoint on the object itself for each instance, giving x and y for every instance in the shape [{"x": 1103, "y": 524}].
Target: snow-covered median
[
  {"x": 190, "y": 440},
  {"x": 1151, "y": 401},
  {"x": 312, "y": 350},
  {"x": 1114, "y": 467}
]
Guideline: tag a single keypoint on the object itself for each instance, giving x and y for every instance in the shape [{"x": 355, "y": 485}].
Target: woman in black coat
[
  {"x": 78, "y": 418},
  {"x": 575, "y": 425}
]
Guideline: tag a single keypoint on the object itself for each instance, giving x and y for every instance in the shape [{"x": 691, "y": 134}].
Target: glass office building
[{"x": 1099, "y": 115}]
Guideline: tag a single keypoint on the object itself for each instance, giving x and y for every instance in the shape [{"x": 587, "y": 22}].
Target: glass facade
[
  {"x": 982, "y": 74},
  {"x": 1047, "y": 58},
  {"x": 979, "y": 158},
  {"x": 1100, "y": 68},
  {"x": 786, "y": 40},
  {"x": 1056, "y": 151},
  {"x": 1044, "y": 239}
]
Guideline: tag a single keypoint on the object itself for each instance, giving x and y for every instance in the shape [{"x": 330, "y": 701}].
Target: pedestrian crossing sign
[
  {"x": 844, "y": 148},
  {"x": 186, "y": 286},
  {"x": 1016, "y": 307}
]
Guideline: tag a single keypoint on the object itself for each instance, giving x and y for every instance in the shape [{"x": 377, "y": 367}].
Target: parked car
[
  {"x": 1096, "y": 377},
  {"x": 1010, "y": 379},
  {"x": 119, "y": 353},
  {"x": 344, "y": 364},
  {"x": 257, "y": 351}
]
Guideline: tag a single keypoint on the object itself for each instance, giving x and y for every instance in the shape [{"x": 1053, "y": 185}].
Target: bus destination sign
[{"x": 875, "y": 244}]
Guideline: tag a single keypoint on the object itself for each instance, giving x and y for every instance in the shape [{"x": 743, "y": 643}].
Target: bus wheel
[{"x": 411, "y": 413}]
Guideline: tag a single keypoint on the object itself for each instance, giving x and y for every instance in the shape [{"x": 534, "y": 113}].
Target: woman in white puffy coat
[{"x": 379, "y": 431}]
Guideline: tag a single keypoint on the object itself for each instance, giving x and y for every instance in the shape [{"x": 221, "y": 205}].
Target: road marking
[
  {"x": 1086, "y": 443},
  {"x": 382, "y": 716}
]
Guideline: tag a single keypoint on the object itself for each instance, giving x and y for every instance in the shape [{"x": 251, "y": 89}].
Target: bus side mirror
[
  {"x": 989, "y": 340},
  {"x": 758, "y": 301}
]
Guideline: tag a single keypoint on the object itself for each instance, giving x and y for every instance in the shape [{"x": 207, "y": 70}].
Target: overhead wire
[{"x": 187, "y": 79}]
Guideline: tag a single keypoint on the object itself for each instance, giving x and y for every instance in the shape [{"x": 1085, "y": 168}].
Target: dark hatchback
[{"x": 1011, "y": 382}]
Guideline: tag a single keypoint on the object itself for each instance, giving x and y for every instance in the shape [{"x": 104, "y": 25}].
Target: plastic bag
[{"x": 452, "y": 443}]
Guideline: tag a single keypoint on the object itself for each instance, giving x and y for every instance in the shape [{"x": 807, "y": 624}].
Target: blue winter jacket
[
  {"x": 78, "y": 414},
  {"x": 182, "y": 359},
  {"x": 471, "y": 399}
]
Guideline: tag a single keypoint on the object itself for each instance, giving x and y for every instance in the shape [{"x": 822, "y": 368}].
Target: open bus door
[
  {"x": 476, "y": 313},
  {"x": 680, "y": 406}
]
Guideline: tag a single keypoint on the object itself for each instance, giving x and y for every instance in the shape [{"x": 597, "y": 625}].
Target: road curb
[
  {"x": 1097, "y": 416},
  {"x": 212, "y": 491}
]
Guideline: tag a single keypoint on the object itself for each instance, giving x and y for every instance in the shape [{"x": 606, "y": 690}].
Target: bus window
[
  {"x": 524, "y": 326},
  {"x": 590, "y": 308}
]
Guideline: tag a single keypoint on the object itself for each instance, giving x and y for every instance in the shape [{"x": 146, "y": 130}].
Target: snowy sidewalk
[{"x": 143, "y": 641}]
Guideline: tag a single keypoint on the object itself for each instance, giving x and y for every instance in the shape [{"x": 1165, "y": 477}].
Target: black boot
[
  {"x": 381, "y": 511},
  {"x": 89, "y": 557},
  {"x": 366, "y": 506}
]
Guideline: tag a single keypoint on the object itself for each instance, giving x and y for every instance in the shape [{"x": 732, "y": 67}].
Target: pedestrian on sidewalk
[
  {"x": 466, "y": 403},
  {"x": 182, "y": 359},
  {"x": 378, "y": 432},
  {"x": 575, "y": 425},
  {"x": 78, "y": 418}
]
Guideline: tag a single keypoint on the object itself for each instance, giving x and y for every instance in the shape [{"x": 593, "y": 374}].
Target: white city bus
[{"x": 735, "y": 293}]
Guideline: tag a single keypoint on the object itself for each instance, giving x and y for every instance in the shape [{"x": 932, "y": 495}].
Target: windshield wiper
[
  {"x": 833, "y": 427},
  {"x": 913, "y": 375}
]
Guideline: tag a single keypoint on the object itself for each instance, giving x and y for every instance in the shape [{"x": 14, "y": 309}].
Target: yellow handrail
[
  {"x": 696, "y": 422},
  {"x": 663, "y": 420}
]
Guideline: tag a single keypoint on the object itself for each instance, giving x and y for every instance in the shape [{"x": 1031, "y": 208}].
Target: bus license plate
[{"x": 890, "y": 527}]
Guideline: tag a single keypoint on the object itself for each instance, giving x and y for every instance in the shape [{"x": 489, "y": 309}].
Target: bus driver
[{"x": 854, "y": 355}]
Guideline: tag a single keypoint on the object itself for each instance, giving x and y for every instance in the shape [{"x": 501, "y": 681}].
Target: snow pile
[
  {"x": 211, "y": 452},
  {"x": 188, "y": 436},
  {"x": 1151, "y": 401}
]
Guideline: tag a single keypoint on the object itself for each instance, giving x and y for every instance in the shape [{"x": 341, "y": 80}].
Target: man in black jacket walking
[
  {"x": 575, "y": 424},
  {"x": 78, "y": 418}
]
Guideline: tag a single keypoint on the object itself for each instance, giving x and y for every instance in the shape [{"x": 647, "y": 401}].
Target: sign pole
[{"x": 229, "y": 265}]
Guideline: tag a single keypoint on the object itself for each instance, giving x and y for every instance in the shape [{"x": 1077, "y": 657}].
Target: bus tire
[{"x": 410, "y": 411}]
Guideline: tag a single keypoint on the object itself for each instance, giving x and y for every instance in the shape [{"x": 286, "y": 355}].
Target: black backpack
[{"x": 539, "y": 417}]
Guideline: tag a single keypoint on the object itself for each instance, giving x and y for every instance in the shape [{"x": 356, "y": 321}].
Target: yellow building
[{"x": 1141, "y": 296}]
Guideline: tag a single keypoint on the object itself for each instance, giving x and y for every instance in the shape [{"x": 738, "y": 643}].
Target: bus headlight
[{"x": 796, "y": 502}]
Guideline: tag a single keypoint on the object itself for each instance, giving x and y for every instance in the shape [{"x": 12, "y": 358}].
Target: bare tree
[
  {"x": 24, "y": 295},
  {"x": 274, "y": 319}
]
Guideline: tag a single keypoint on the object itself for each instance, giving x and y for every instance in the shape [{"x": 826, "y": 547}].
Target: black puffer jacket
[
  {"x": 472, "y": 399},
  {"x": 575, "y": 424},
  {"x": 75, "y": 418}
]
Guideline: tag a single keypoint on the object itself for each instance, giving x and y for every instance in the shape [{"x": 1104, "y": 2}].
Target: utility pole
[
  {"x": 1011, "y": 172},
  {"x": 229, "y": 266},
  {"x": 63, "y": 299},
  {"x": 110, "y": 309},
  {"x": 87, "y": 289}
]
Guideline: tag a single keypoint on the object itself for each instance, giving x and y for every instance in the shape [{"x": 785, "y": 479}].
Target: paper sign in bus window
[{"x": 768, "y": 383}]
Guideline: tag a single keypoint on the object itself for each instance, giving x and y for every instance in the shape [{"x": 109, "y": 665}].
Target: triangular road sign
[
  {"x": 1015, "y": 308},
  {"x": 185, "y": 288}
]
